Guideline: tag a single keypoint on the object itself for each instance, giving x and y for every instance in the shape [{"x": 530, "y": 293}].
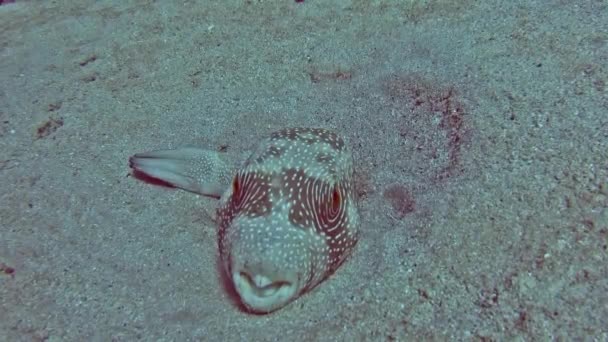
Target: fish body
[{"x": 288, "y": 217}]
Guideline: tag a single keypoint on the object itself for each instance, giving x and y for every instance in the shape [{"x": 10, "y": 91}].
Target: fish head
[{"x": 268, "y": 262}]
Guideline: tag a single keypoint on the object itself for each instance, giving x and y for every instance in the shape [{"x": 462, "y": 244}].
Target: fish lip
[{"x": 259, "y": 294}]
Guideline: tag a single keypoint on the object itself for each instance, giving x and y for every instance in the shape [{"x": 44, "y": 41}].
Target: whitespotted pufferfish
[{"x": 287, "y": 217}]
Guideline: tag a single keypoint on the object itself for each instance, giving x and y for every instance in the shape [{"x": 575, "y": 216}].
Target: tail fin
[{"x": 197, "y": 170}]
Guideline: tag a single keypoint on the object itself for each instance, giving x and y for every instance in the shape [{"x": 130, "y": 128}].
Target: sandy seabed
[{"x": 479, "y": 131}]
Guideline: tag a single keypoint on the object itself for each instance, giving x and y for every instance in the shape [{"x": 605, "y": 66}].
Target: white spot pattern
[{"x": 290, "y": 218}]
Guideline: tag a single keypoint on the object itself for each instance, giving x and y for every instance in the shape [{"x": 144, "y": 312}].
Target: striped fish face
[{"x": 290, "y": 218}]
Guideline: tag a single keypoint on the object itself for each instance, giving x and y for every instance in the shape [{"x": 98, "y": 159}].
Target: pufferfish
[{"x": 287, "y": 217}]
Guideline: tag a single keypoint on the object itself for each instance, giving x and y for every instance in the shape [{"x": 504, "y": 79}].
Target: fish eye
[
  {"x": 336, "y": 199},
  {"x": 236, "y": 188}
]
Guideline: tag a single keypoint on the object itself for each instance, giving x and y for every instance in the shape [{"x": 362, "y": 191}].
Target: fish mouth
[{"x": 261, "y": 293}]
